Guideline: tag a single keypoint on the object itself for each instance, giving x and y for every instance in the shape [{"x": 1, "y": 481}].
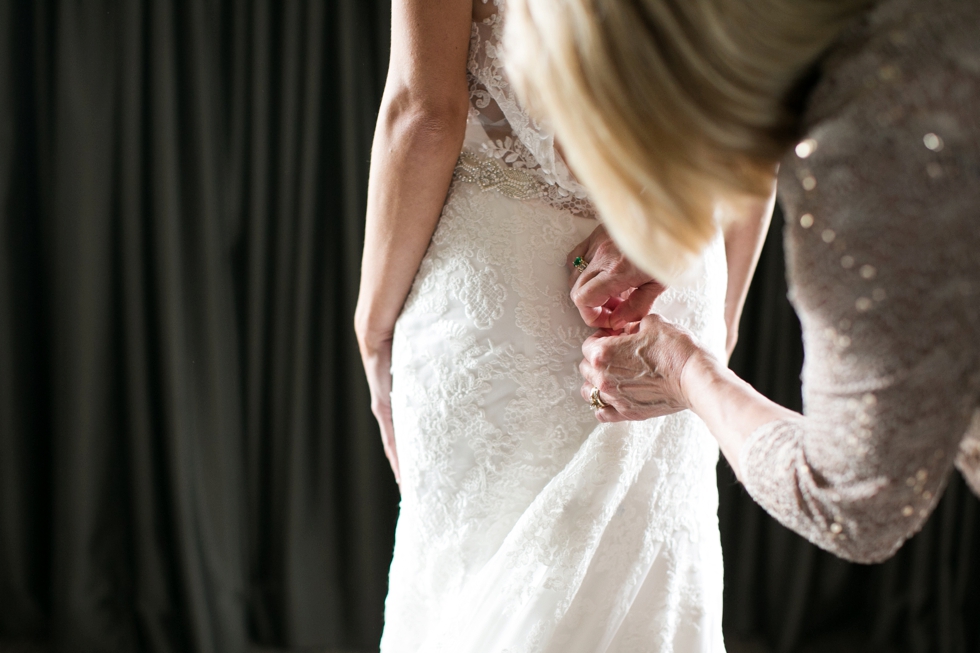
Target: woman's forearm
[
  {"x": 744, "y": 237},
  {"x": 731, "y": 408},
  {"x": 415, "y": 151}
]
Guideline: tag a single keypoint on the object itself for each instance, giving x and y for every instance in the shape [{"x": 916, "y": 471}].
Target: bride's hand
[
  {"x": 611, "y": 292},
  {"x": 638, "y": 371},
  {"x": 377, "y": 366}
]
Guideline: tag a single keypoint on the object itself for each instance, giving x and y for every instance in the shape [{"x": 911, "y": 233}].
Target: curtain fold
[
  {"x": 25, "y": 424},
  {"x": 188, "y": 462}
]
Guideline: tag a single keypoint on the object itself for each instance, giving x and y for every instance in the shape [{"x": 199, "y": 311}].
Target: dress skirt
[{"x": 525, "y": 525}]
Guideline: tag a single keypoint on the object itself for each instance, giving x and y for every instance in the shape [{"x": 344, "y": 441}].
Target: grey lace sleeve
[{"x": 883, "y": 257}]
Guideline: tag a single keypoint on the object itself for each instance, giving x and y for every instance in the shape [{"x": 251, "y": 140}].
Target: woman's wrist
[
  {"x": 700, "y": 373},
  {"x": 731, "y": 408}
]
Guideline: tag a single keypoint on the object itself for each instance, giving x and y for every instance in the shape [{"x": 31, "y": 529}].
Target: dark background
[{"x": 187, "y": 457}]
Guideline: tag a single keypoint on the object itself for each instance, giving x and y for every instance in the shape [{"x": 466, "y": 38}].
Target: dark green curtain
[{"x": 187, "y": 457}]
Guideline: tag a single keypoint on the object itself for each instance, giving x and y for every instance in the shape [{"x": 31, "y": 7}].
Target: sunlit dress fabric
[
  {"x": 525, "y": 526},
  {"x": 882, "y": 201}
]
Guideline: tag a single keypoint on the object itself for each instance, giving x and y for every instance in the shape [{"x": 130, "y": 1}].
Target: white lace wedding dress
[{"x": 525, "y": 525}]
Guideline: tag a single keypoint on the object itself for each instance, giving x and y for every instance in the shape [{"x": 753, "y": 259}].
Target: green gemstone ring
[{"x": 580, "y": 264}]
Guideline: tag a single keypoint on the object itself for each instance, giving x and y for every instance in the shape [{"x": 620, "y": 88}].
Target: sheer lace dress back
[{"x": 505, "y": 147}]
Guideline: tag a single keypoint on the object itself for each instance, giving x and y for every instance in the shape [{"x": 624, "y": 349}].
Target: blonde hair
[{"x": 666, "y": 109}]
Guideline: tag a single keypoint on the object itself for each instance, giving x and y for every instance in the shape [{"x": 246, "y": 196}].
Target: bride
[{"x": 524, "y": 525}]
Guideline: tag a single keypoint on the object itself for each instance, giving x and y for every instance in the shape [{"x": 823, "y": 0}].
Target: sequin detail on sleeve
[{"x": 882, "y": 200}]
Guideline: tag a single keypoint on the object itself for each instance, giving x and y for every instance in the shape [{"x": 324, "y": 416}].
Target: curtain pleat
[
  {"x": 187, "y": 454},
  {"x": 188, "y": 462},
  {"x": 25, "y": 415}
]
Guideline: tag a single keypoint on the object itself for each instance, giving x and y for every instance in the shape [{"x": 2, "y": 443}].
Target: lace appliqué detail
[{"x": 481, "y": 293}]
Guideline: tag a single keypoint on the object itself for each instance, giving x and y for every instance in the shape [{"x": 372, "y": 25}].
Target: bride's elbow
[{"x": 424, "y": 118}]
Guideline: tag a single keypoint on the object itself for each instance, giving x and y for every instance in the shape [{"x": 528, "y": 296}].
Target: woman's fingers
[
  {"x": 392, "y": 457},
  {"x": 637, "y": 372},
  {"x": 631, "y": 328},
  {"x": 391, "y": 450},
  {"x": 594, "y": 347},
  {"x": 584, "y": 253},
  {"x": 592, "y": 293},
  {"x": 609, "y": 282},
  {"x": 591, "y": 377},
  {"x": 609, "y": 413},
  {"x": 574, "y": 272},
  {"x": 636, "y": 306}
]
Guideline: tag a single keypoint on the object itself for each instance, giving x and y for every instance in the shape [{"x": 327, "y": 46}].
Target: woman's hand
[
  {"x": 639, "y": 371},
  {"x": 377, "y": 367},
  {"x": 611, "y": 292}
]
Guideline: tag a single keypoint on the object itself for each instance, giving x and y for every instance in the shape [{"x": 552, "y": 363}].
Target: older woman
[{"x": 882, "y": 198}]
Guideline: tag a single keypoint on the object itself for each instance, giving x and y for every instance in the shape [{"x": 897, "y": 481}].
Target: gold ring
[
  {"x": 595, "y": 401},
  {"x": 580, "y": 264}
]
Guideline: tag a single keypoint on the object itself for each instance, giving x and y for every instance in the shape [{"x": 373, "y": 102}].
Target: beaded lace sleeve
[{"x": 883, "y": 253}]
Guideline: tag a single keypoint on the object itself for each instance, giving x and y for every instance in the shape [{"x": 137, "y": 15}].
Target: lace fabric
[
  {"x": 501, "y": 129},
  {"x": 883, "y": 252}
]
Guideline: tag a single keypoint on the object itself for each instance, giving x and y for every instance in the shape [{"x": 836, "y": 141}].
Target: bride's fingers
[{"x": 391, "y": 449}]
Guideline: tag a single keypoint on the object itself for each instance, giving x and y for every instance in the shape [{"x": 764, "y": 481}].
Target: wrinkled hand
[
  {"x": 377, "y": 366},
  {"x": 611, "y": 292},
  {"x": 638, "y": 370}
]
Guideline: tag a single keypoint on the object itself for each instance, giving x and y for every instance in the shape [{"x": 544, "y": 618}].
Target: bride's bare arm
[{"x": 417, "y": 141}]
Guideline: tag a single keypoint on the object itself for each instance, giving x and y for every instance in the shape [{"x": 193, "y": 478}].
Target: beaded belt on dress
[{"x": 490, "y": 174}]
